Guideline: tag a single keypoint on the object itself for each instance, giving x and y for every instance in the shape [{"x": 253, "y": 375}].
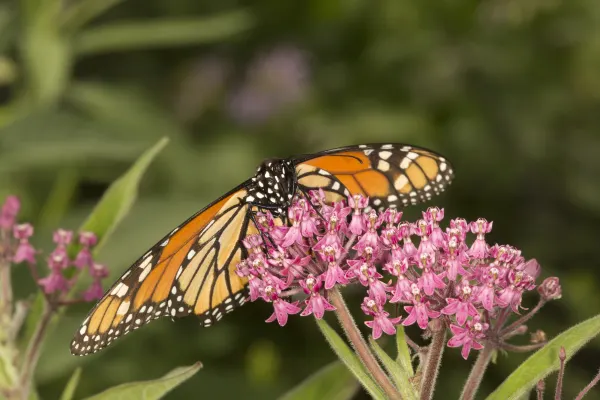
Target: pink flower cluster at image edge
[{"x": 18, "y": 237}]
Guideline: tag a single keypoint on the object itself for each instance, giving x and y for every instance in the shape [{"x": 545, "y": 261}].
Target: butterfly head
[{"x": 273, "y": 186}]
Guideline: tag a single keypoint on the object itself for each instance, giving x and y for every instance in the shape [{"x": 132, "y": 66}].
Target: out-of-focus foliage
[{"x": 509, "y": 90}]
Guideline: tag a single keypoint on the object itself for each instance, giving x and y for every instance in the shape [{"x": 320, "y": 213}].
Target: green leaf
[
  {"x": 545, "y": 361},
  {"x": 395, "y": 370},
  {"x": 403, "y": 357},
  {"x": 333, "y": 381},
  {"x": 33, "y": 316},
  {"x": 149, "y": 390},
  {"x": 350, "y": 359},
  {"x": 80, "y": 13},
  {"x": 69, "y": 391},
  {"x": 45, "y": 51},
  {"x": 160, "y": 33},
  {"x": 119, "y": 197}
]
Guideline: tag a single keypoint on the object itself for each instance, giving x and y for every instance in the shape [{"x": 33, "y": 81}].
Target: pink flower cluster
[
  {"x": 17, "y": 247},
  {"x": 433, "y": 272}
]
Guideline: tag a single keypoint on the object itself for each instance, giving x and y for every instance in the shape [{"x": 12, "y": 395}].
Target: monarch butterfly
[{"x": 192, "y": 269}]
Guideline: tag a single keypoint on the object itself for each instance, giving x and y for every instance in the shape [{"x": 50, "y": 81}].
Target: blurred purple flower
[{"x": 274, "y": 82}]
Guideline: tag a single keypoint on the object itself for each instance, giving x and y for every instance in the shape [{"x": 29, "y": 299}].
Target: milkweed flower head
[
  {"x": 430, "y": 269},
  {"x": 16, "y": 248}
]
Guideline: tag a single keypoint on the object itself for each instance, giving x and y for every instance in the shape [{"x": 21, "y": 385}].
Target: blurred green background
[{"x": 508, "y": 90}]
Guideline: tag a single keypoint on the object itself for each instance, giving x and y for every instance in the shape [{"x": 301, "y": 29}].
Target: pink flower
[
  {"x": 62, "y": 237},
  {"x": 433, "y": 215},
  {"x": 479, "y": 249},
  {"x": 94, "y": 292},
  {"x": 357, "y": 224},
  {"x": 550, "y": 289},
  {"x": 25, "y": 251},
  {"x": 315, "y": 303},
  {"x": 419, "y": 312},
  {"x": 468, "y": 337},
  {"x": 54, "y": 282},
  {"x": 381, "y": 321},
  {"x": 429, "y": 280},
  {"x": 281, "y": 311},
  {"x": 88, "y": 239},
  {"x": 9, "y": 211},
  {"x": 402, "y": 290},
  {"x": 334, "y": 274},
  {"x": 461, "y": 307}
]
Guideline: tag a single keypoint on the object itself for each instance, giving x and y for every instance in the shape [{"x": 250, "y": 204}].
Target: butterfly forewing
[
  {"x": 390, "y": 174},
  {"x": 190, "y": 271}
]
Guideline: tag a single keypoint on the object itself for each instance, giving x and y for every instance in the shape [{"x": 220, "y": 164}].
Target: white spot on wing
[
  {"x": 400, "y": 182},
  {"x": 385, "y": 154},
  {"x": 123, "y": 308},
  {"x": 383, "y": 166}
]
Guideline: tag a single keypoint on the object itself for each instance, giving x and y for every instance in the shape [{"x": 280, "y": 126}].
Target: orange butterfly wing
[
  {"x": 390, "y": 174},
  {"x": 190, "y": 271}
]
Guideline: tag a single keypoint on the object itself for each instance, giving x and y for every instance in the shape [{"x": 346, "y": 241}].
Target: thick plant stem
[
  {"x": 359, "y": 344},
  {"x": 476, "y": 375},
  {"x": 434, "y": 359},
  {"x": 33, "y": 351}
]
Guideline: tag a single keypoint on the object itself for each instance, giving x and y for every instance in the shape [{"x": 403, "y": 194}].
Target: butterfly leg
[
  {"x": 307, "y": 196},
  {"x": 266, "y": 238}
]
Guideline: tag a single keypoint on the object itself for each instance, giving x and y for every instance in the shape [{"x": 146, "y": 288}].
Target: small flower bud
[
  {"x": 550, "y": 289},
  {"x": 538, "y": 336}
]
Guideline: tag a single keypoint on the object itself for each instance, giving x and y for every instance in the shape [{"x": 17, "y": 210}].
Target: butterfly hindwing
[{"x": 390, "y": 174}]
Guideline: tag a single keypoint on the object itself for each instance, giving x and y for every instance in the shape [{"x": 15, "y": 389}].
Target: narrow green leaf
[
  {"x": 149, "y": 390},
  {"x": 545, "y": 361},
  {"x": 163, "y": 32},
  {"x": 403, "y": 357},
  {"x": 333, "y": 382},
  {"x": 351, "y": 361},
  {"x": 59, "y": 198},
  {"x": 395, "y": 371},
  {"x": 120, "y": 196},
  {"x": 45, "y": 51},
  {"x": 69, "y": 391},
  {"x": 80, "y": 13}
]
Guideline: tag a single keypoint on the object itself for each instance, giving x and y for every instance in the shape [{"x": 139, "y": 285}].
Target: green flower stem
[
  {"x": 434, "y": 359},
  {"x": 589, "y": 387},
  {"x": 522, "y": 349},
  {"x": 476, "y": 375},
  {"x": 359, "y": 344},
  {"x": 523, "y": 319},
  {"x": 33, "y": 351},
  {"x": 6, "y": 288}
]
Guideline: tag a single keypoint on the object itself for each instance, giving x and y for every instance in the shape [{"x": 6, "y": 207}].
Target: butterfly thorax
[{"x": 273, "y": 186}]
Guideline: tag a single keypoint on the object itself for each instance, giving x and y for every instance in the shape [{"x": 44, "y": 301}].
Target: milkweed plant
[{"x": 439, "y": 274}]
